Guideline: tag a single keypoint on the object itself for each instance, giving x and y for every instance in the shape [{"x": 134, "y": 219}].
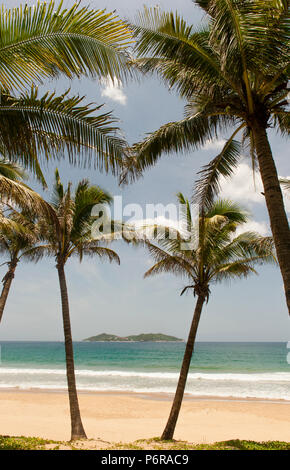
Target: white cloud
[
  {"x": 253, "y": 226},
  {"x": 113, "y": 89},
  {"x": 216, "y": 144},
  {"x": 240, "y": 187},
  {"x": 145, "y": 227}
]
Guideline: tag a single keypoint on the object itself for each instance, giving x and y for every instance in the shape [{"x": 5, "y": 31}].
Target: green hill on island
[{"x": 142, "y": 337}]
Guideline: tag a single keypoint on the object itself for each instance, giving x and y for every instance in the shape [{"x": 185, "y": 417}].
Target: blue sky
[{"x": 112, "y": 299}]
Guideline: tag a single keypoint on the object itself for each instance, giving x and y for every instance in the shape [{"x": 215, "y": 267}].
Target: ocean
[{"x": 241, "y": 370}]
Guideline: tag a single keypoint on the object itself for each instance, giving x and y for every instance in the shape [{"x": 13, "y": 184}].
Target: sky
[{"x": 116, "y": 299}]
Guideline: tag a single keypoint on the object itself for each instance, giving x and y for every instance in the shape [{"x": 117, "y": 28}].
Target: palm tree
[
  {"x": 219, "y": 255},
  {"x": 17, "y": 239},
  {"x": 233, "y": 72},
  {"x": 45, "y": 41},
  {"x": 69, "y": 234}
]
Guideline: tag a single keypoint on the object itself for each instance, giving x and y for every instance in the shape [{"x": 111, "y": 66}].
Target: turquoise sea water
[{"x": 218, "y": 369}]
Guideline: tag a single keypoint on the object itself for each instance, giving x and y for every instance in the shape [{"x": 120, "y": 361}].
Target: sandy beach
[{"x": 128, "y": 417}]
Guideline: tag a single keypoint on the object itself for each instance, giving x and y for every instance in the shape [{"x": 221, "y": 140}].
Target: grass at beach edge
[{"x": 35, "y": 443}]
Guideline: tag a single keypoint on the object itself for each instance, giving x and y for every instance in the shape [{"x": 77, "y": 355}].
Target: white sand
[{"x": 125, "y": 417}]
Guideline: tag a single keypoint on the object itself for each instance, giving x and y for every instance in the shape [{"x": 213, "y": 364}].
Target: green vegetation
[
  {"x": 23, "y": 443},
  {"x": 142, "y": 337},
  {"x": 36, "y": 443}
]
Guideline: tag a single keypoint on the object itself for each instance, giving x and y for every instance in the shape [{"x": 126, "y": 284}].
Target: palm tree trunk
[
  {"x": 171, "y": 423},
  {"x": 7, "y": 281},
  {"x": 275, "y": 204},
  {"x": 77, "y": 429}
]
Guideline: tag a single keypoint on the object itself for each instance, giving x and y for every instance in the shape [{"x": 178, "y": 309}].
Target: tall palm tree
[
  {"x": 69, "y": 234},
  {"x": 218, "y": 255},
  {"x": 233, "y": 72},
  {"x": 45, "y": 41},
  {"x": 17, "y": 240}
]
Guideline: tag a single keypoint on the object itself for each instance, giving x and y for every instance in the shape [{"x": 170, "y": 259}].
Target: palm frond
[
  {"x": 231, "y": 270},
  {"x": 166, "y": 262},
  {"x": 167, "y": 265},
  {"x": 37, "y": 253},
  {"x": 268, "y": 33},
  {"x": 282, "y": 122},
  {"x": 8, "y": 226},
  {"x": 223, "y": 165},
  {"x": 30, "y": 124},
  {"x": 103, "y": 253},
  {"x": 45, "y": 40},
  {"x": 191, "y": 132},
  {"x": 11, "y": 170},
  {"x": 248, "y": 247},
  {"x": 58, "y": 189},
  {"x": 15, "y": 192},
  {"x": 86, "y": 197},
  {"x": 161, "y": 36},
  {"x": 204, "y": 4},
  {"x": 228, "y": 30},
  {"x": 229, "y": 209}
]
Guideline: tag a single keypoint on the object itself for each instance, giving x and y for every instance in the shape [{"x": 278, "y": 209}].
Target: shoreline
[{"x": 159, "y": 396}]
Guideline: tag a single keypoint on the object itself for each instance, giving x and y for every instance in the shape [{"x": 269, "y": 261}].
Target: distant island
[{"x": 157, "y": 337}]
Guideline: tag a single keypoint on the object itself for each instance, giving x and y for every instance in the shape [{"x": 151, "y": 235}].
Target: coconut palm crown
[
  {"x": 219, "y": 255},
  {"x": 233, "y": 72},
  {"x": 71, "y": 233}
]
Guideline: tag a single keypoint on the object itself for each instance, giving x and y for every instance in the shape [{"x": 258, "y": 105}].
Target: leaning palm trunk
[
  {"x": 171, "y": 423},
  {"x": 77, "y": 429},
  {"x": 7, "y": 281},
  {"x": 275, "y": 204}
]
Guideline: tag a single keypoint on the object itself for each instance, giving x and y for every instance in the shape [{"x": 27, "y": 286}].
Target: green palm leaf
[
  {"x": 44, "y": 40},
  {"x": 166, "y": 35},
  {"x": 224, "y": 164},
  {"x": 191, "y": 132},
  {"x": 12, "y": 171},
  {"x": 15, "y": 192},
  {"x": 282, "y": 120},
  {"x": 52, "y": 125}
]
